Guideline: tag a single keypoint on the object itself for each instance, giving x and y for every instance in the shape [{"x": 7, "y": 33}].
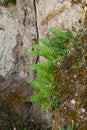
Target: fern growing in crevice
[
  {"x": 7, "y": 2},
  {"x": 53, "y": 50}
]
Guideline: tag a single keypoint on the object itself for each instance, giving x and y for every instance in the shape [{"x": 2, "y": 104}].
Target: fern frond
[
  {"x": 45, "y": 41},
  {"x": 40, "y": 97},
  {"x": 53, "y": 50},
  {"x": 46, "y": 106},
  {"x": 64, "y": 36},
  {"x": 44, "y": 83},
  {"x": 32, "y": 53},
  {"x": 45, "y": 51},
  {"x": 46, "y": 66},
  {"x": 46, "y": 76}
]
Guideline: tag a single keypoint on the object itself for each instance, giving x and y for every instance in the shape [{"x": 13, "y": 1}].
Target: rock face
[
  {"x": 59, "y": 13},
  {"x": 27, "y": 32},
  {"x": 17, "y": 34},
  {"x": 20, "y": 26},
  {"x": 8, "y": 35}
]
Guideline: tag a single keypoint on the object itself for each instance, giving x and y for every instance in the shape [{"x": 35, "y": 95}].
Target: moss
[
  {"x": 2, "y": 79},
  {"x": 75, "y": 55},
  {"x": 15, "y": 100},
  {"x": 6, "y": 3}
]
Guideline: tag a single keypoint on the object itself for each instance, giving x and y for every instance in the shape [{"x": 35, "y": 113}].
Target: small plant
[
  {"x": 25, "y": 128},
  {"x": 78, "y": 66},
  {"x": 7, "y": 2},
  {"x": 53, "y": 50},
  {"x": 69, "y": 127}
]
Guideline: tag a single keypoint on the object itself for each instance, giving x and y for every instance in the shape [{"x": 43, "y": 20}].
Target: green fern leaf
[{"x": 53, "y": 50}]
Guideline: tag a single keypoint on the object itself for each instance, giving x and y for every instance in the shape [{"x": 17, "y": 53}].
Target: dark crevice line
[
  {"x": 37, "y": 59},
  {"x": 36, "y": 19}
]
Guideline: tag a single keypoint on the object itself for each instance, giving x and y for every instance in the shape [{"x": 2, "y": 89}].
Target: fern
[
  {"x": 45, "y": 66},
  {"x": 53, "y": 50}
]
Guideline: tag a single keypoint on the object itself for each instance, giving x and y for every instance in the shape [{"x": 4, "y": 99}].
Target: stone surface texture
[
  {"x": 59, "y": 13},
  {"x": 8, "y": 35}
]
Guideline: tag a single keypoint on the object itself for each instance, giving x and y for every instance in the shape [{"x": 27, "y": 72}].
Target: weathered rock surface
[
  {"x": 28, "y": 32},
  {"x": 17, "y": 31},
  {"x": 59, "y": 13},
  {"x": 8, "y": 40}
]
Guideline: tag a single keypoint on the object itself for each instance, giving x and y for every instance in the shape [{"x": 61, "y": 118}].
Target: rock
[
  {"x": 8, "y": 34},
  {"x": 59, "y": 13},
  {"x": 17, "y": 31}
]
